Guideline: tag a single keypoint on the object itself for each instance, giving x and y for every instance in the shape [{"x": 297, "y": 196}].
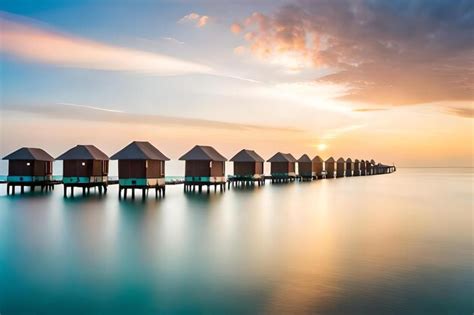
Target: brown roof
[
  {"x": 139, "y": 150},
  {"x": 282, "y": 157},
  {"x": 83, "y": 152},
  {"x": 331, "y": 159},
  {"x": 304, "y": 159},
  {"x": 317, "y": 158},
  {"x": 340, "y": 160},
  {"x": 29, "y": 154},
  {"x": 203, "y": 153},
  {"x": 247, "y": 156},
  {"x": 349, "y": 160}
]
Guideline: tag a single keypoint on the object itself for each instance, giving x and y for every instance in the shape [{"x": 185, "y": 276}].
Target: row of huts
[{"x": 142, "y": 166}]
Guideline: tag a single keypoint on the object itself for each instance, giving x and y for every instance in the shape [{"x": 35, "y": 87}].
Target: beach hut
[
  {"x": 86, "y": 167},
  {"x": 318, "y": 167},
  {"x": 282, "y": 167},
  {"x": 141, "y": 166},
  {"x": 356, "y": 168},
  {"x": 340, "y": 167},
  {"x": 248, "y": 168},
  {"x": 368, "y": 167},
  {"x": 330, "y": 167},
  {"x": 349, "y": 167},
  {"x": 204, "y": 167},
  {"x": 29, "y": 167},
  {"x": 305, "y": 168},
  {"x": 362, "y": 168}
]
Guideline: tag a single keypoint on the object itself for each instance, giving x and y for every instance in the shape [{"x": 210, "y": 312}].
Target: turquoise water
[{"x": 388, "y": 244}]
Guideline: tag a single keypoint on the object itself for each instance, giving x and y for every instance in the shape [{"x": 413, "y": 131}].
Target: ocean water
[{"x": 387, "y": 244}]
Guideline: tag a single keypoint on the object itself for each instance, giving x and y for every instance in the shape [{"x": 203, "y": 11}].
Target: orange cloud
[
  {"x": 382, "y": 56},
  {"x": 197, "y": 19},
  {"x": 39, "y": 45},
  {"x": 236, "y": 28}
]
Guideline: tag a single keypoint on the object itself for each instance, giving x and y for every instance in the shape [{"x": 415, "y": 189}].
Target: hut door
[{"x": 47, "y": 167}]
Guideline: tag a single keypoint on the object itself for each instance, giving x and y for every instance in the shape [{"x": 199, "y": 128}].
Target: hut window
[
  {"x": 146, "y": 164},
  {"x": 210, "y": 164},
  {"x": 83, "y": 163},
  {"x": 28, "y": 163}
]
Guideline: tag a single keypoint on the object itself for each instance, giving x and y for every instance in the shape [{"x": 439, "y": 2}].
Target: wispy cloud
[
  {"x": 196, "y": 19},
  {"x": 364, "y": 110},
  {"x": 334, "y": 133},
  {"x": 461, "y": 111},
  {"x": 91, "y": 107},
  {"x": 173, "y": 40},
  {"x": 36, "y": 44}
]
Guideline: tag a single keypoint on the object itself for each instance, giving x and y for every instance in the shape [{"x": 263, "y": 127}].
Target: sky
[{"x": 366, "y": 79}]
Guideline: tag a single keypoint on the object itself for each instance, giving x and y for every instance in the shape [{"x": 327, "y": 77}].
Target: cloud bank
[
  {"x": 387, "y": 52},
  {"x": 37, "y": 44}
]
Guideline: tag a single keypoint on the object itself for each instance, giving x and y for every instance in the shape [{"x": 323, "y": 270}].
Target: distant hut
[
  {"x": 330, "y": 167},
  {"x": 141, "y": 166},
  {"x": 282, "y": 167},
  {"x": 318, "y": 167},
  {"x": 356, "y": 168},
  {"x": 204, "y": 167},
  {"x": 373, "y": 167},
  {"x": 368, "y": 167},
  {"x": 340, "y": 167},
  {"x": 248, "y": 168},
  {"x": 363, "y": 170},
  {"x": 29, "y": 167},
  {"x": 305, "y": 168},
  {"x": 349, "y": 167},
  {"x": 84, "y": 166}
]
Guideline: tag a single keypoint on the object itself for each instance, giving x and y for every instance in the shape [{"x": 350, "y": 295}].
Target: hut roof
[
  {"x": 340, "y": 160},
  {"x": 282, "y": 157},
  {"x": 304, "y": 159},
  {"x": 29, "y": 154},
  {"x": 83, "y": 152},
  {"x": 317, "y": 158},
  {"x": 247, "y": 156},
  {"x": 372, "y": 161},
  {"x": 331, "y": 159},
  {"x": 356, "y": 161},
  {"x": 140, "y": 150},
  {"x": 203, "y": 153},
  {"x": 349, "y": 160}
]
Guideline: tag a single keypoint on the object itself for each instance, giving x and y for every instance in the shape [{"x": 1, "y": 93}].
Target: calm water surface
[{"x": 390, "y": 244}]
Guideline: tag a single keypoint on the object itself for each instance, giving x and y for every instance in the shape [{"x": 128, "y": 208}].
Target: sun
[{"x": 322, "y": 146}]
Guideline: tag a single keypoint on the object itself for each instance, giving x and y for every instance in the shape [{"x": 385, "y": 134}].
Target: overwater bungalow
[
  {"x": 282, "y": 167},
  {"x": 356, "y": 171},
  {"x": 204, "y": 167},
  {"x": 86, "y": 167},
  {"x": 368, "y": 168},
  {"x": 349, "y": 167},
  {"x": 330, "y": 167},
  {"x": 372, "y": 167},
  {"x": 363, "y": 165},
  {"x": 141, "y": 166},
  {"x": 248, "y": 168},
  {"x": 318, "y": 167},
  {"x": 29, "y": 167},
  {"x": 305, "y": 168},
  {"x": 340, "y": 167}
]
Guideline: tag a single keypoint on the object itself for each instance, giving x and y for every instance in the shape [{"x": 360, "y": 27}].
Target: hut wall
[
  {"x": 356, "y": 168},
  {"x": 217, "y": 169},
  {"x": 75, "y": 168},
  {"x": 280, "y": 167},
  {"x": 291, "y": 167},
  {"x": 245, "y": 168},
  {"x": 330, "y": 168},
  {"x": 20, "y": 168},
  {"x": 259, "y": 168},
  {"x": 349, "y": 168},
  {"x": 318, "y": 167},
  {"x": 155, "y": 169},
  {"x": 340, "y": 169},
  {"x": 305, "y": 168},
  {"x": 197, "y": 168}
]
